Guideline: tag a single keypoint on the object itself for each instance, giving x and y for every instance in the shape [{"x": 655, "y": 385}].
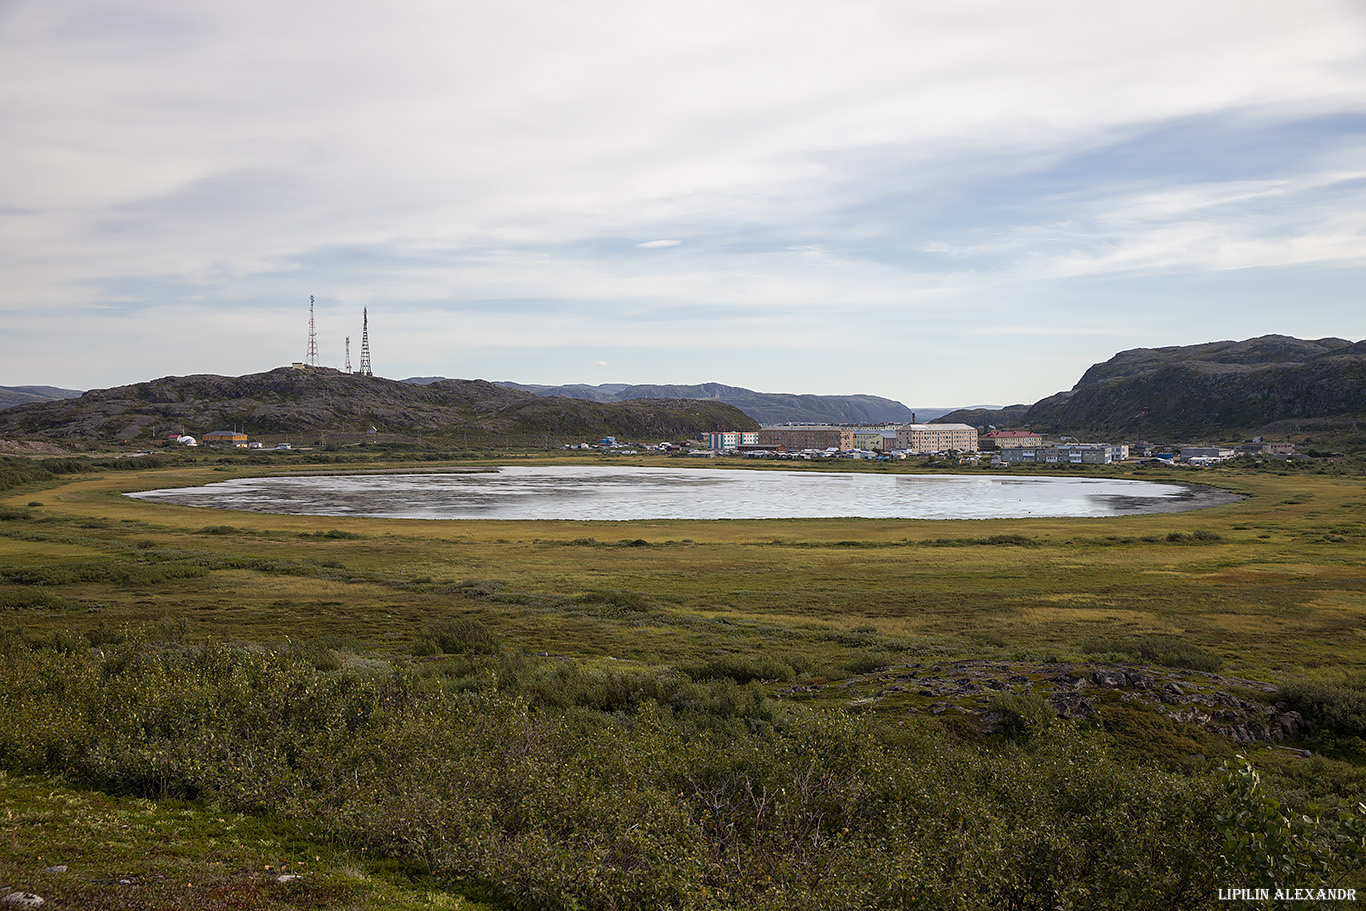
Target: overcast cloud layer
[{"x": 945, "y": 204}]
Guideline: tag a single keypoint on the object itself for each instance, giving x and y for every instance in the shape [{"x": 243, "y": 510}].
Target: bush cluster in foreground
[{"x": 674, "y": 796}]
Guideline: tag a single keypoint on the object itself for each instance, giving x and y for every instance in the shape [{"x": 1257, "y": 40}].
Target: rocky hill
[
  {"x": 317, "y": 400},
  {"x": 764, "y": 407},
  {"x": 1273, "y": 384}
]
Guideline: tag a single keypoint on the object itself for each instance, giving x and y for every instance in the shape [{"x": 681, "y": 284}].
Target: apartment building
[
  {"x": 1064, "y": 454},
  {"x": 1009, "y": 439},
  {"x": 796, "y": 437},
  {"x": 731, "y": 439},
  {"x": 927, "y": 438}
]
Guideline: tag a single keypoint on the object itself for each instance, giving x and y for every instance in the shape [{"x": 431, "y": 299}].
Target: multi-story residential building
[
  {"x": 870, "y": 439},
  {"x": 731, "y": 439},
  {"x": 796, "y": 437},
  {"x": 1009, "y": 439},
  {"x": 927, "y": 438},
  {"x": 1064, "y": 454}
]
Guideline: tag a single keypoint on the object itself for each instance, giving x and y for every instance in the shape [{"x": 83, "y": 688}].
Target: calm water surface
[{"x": 620, "y": 493}]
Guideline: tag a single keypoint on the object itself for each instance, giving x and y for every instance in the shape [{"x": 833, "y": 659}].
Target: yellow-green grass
[{"x": 1276, "y": 584}]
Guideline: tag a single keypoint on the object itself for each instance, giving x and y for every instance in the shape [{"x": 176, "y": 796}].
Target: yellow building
[
  {"x": 869, "y": 439},
  {"x": 225, "y": 438}
]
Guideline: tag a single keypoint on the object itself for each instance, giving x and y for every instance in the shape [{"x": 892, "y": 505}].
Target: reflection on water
[{"x": 619, "y": 493}]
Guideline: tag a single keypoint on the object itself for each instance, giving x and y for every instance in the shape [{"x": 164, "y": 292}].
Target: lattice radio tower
[
  {"x": 348, "y": 354},
  {"x": 312, "y": 359},
  {"x": 365, "y": 343}
]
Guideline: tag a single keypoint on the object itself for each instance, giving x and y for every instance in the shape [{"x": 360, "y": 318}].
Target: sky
[{"x": 947, "y": 204}]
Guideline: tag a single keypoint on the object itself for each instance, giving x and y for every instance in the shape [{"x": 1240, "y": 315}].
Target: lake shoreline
[{"x": 632, "y": 493}]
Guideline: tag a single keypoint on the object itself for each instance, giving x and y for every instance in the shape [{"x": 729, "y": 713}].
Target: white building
[
  {"x": 731, "y": 439},
  {"x": 1206, "y": 453}
]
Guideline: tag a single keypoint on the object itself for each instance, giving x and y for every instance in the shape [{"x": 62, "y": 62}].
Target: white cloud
[{"x": 188, "y": 161}]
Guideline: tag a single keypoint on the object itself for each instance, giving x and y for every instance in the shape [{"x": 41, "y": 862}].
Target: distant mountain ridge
[
  {"x": 322, "y": 400},
  {"x": 1266, "y": 385},
  {"x": 24, "y": 395},
  {"x": 764, "y": 407}
]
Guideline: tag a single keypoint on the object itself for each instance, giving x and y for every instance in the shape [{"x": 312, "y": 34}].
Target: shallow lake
[{"x": 593, "y": 492}]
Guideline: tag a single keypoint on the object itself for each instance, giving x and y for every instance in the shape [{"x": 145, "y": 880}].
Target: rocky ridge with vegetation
[
  {"x": 1270, "y": 385},
  {"x": 320, "y": 400}
]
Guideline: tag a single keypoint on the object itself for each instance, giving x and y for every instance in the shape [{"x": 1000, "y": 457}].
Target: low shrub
[
  {"x": 17, "y": 599},
  {"x": 1177, "y": 653},
  {"x": 641, "y": 805},
  {"x": 615, "y": 602},
  {"x": 741, "y": 668},
  {"x": 1201, "y": 536},
  {"x": 1021, "y": 716},
  {"x": 113, "y": 570},
  {"x": 463, "y": 636},
  {"x": 480, "y": 589},
  {"x": 1332, "y": 707},
  {"x": 866, "y": 664}
]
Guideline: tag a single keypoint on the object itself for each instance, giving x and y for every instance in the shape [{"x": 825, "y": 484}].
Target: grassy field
[{"x": 1270, "y": 588}]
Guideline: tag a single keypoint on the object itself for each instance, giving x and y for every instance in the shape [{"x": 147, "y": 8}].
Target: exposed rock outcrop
[{"x": 1227, "y": 706}]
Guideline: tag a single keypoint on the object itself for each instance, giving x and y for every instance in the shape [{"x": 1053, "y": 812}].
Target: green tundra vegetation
[{"x": 663, "y": 714}]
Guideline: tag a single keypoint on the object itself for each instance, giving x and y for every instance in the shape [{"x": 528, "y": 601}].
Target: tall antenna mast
[
  {"x": 347, "y": 368},
  {"x": 312, "y": 359},
  {"x": 365, "y": 343}
]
